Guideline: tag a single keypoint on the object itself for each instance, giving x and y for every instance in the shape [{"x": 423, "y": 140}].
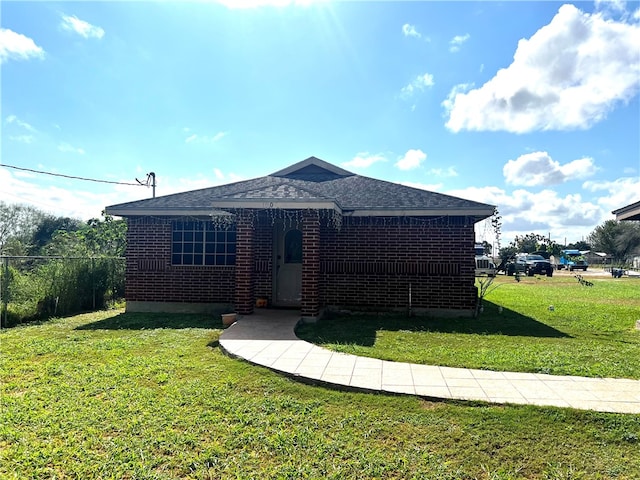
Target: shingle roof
[
  {"x": 312, "y": 183},
  {"x": 629, "y": 212}
]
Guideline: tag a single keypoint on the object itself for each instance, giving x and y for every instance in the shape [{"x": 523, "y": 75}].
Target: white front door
[{"x": 288, "y": 262}]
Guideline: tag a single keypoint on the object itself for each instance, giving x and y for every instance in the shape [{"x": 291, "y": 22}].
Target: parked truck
[
  {"x": 484, "y": 265},
  {"x": 571, "y": 260}
]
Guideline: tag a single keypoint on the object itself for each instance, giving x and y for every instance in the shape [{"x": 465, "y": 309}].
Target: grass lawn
[
  {"x": 112, "y": 395},
  {"x": 589, "y": 332}
]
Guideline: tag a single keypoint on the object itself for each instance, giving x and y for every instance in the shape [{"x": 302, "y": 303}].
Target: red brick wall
[
  {"x": 263, "y": 257},
  {"x": 150, "y": 277},
  {"x": 367, "y": 263},
  {"x": 374, "y": 263}
]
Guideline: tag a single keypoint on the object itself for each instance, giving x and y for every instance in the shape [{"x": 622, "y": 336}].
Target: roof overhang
[
  {"x": 478, "y": 214},
  {"x": 165, "y": 212},
  {"x": 630, "y": 212},
  {"x": 218, "y": 208}
]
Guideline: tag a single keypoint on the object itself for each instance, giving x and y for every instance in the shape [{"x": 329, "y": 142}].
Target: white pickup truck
[{"x": 484, "y": 265}]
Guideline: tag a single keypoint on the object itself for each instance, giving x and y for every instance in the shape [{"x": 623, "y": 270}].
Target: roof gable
[{"x": 312, "y": 170}]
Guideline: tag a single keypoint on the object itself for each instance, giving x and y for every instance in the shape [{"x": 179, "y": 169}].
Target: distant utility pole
[{"x": 151, "y": 180}]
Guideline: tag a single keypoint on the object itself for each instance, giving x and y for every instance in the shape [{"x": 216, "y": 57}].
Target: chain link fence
[{"x": 36, "y": 288}]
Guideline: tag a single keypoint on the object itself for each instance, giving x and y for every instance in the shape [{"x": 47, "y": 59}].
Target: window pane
[{"x": 202, "y": 243}]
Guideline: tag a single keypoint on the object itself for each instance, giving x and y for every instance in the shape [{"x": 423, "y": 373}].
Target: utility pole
[{"x": 151, "y": 180}]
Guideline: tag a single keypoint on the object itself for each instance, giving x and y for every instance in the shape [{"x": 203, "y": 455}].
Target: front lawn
[
  {"x": 547, "y": 325},
  {"x": 130, "y": 396}
]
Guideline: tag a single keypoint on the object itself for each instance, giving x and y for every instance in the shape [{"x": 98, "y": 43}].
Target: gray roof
[
  {"x": 629, "y": 212},
  {"x": 312, "y": 183}
]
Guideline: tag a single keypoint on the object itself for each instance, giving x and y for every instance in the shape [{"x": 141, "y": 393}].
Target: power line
[{"x": 74, "y": 177}]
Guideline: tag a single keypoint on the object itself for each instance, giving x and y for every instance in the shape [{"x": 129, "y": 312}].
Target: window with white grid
[{"x": 203, "y": 243}]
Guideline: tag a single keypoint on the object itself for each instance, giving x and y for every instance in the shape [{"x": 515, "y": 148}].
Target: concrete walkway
[{"x": 267, "y": 338}]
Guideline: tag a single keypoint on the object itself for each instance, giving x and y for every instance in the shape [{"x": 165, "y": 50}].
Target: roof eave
[
  {"x": 164, "y": 212},
  {"x": 630, "y": 212},
  {"x": 477, "y": 213}
]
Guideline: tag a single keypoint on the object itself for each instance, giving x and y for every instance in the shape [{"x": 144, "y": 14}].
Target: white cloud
[
  {"x": 568, "y": 75},
  {"x": 411, "y": 160},
  {"x": 456, "y": 42},
  {"x": 12, "y": 119},
  {"x": 194, "y": 138},
  {"x": 418, "y": 84},
  {"x": 364, "y": 160},
  {"x": 15, "y": 46},
  {"x": 617, "y": 193},
  {"x": 66, "y": 148},
  {"x": 546, "y": 212},
  {"x": 444, "y": 172},
  {"x": 72, "y": 23},
  {"x": 22, "y": 138},
  {"x": 613, "y": 6},
  {"x": 410, "y": 31},
  {"x": 539, "y": 169},
  {"x": 449, "y": 102}
]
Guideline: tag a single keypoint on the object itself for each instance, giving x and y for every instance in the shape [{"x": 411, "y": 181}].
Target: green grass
[
  {"x": 116, "y": 396},
  {"x": 590, "y": 332}
]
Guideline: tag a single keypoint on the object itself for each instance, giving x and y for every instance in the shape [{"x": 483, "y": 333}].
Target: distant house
[
  {"x": 630, "y": 212},
  {"x": 310, "y": 236}
]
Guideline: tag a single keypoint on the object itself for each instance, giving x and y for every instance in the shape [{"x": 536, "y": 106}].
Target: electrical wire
[{"x": 73, "y": 176}]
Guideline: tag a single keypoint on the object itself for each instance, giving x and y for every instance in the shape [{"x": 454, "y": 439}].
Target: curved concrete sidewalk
[{"x": 267, "y": 338}]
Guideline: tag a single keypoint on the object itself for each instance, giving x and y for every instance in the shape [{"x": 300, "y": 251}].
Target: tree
[
  {"x": 49, "y": 226},
  {"x": 95, "y": 238},
  {"x": 531, "y": 242},
  {"x": 486, "y": 248},
  {"x": 619, "y": 239},
  {"x": 580, "y": 245},
  {"x": 17, "y": 224}
]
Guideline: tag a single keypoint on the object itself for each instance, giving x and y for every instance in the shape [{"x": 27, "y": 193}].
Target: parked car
[{"x": 530, "y": 265}]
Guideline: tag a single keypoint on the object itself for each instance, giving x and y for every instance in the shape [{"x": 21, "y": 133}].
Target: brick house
[{"x": 311, "y": 236}]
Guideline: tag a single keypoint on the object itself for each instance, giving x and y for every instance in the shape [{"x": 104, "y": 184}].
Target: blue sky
[{"x": 530, "y": 106}]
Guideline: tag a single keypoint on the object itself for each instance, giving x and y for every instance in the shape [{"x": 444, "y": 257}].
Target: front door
[{"x": 288, "y": 262}]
